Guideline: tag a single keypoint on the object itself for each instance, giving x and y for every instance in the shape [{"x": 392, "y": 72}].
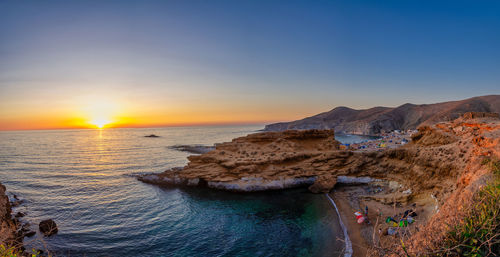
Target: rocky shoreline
[
  {"x": 13, "y": 229},
  {"x": 438, "y": 170},
  {"x": 9, "y": 226}
]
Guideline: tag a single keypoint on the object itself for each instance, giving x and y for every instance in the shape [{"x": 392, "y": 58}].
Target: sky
[{"x": 83, "y": 64}]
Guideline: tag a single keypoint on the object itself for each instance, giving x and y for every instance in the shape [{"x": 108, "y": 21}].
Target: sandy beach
[
  {"x": 354, "y": 230},
  {"x": 374, "y": 232}
]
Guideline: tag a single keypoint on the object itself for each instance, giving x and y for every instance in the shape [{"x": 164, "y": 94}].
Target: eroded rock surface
[
  {"x": 257, "y": 162},
  {"x": 442, "y": 161},
  {"x": 277, "y": 160}
]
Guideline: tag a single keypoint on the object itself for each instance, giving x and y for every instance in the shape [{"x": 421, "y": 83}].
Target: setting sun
[
  {"x": 100, "y": 123},
  {"x": 99, "y": 112}
]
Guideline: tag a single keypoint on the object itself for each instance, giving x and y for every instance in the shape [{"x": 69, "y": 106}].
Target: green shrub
[
  {"x": 479, "y": 233},
  {"x": 7, "y": 251},
  {"x": 12, "y": 252}
]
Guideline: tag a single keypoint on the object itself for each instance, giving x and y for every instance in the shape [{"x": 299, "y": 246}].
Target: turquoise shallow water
[{"x": 83, "y": 180}]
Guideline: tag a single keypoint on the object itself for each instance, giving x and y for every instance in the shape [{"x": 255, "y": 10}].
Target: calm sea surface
[{"x": 83, "y": 180}]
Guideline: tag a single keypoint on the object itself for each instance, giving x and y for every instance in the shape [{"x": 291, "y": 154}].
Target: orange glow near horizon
[
  {"x": 107, "y": 110},
  {"x": 99, "y": 112}
]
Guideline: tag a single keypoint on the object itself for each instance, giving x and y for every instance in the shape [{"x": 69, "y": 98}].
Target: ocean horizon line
[{"x": 146, "y": 127}]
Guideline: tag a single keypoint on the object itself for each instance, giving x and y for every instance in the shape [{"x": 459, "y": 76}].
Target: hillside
[{"x": 379, "y": 119}]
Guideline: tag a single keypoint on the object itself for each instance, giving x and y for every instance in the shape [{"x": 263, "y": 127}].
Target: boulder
[
  {"x": 48, "y": 227},
  {"x": 323, "y": 184}
]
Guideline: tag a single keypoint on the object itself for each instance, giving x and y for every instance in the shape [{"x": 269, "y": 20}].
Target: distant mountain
[{"x": 379, "y": 119}]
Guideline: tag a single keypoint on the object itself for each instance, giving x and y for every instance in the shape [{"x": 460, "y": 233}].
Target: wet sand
[
  {"x": 336, "y": 245},
  {"x": 354, "y": 230}
]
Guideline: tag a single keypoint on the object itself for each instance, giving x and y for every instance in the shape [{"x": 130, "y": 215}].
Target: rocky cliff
[
  {"x": 378, "y": 119},
  {"x": 442, "y": 163},
  {"x": 262, "y": 161},
  {"x": 8, "y": 227},
  {"x": 277, "y": 160}
]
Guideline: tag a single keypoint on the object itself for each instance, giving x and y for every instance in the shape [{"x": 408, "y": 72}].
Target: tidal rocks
[
  {"x": 16, "y": 201},
  {"x": 152, "y": 135},
  {"x": 25, "y": 231},
  {"x": 195, "y": 149},
  {"x": 48, "y": 227}
]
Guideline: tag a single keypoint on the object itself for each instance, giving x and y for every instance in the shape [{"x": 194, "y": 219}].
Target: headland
[{"x": 431, "y": 179}]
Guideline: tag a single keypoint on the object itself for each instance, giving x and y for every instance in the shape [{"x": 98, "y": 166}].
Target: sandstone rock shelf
[{"x": 443, "y": 161}]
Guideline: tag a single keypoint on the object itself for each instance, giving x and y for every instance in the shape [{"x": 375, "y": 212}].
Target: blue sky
[{"x": 277, "y": 60}]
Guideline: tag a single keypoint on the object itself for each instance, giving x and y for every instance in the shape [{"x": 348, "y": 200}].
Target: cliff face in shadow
[
  {"x": 379, "y": 119},
  {"x": 7, "y": 226}
]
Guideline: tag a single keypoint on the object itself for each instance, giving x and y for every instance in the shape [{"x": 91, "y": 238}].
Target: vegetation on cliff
[
  {"x": 479, "y": 232},
  {"x": 14, "y": 252}
]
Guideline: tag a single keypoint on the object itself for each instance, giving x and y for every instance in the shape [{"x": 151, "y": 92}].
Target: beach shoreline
[
  {"x": 345, "y": 213},
  {"x": 348, "y": 251}
]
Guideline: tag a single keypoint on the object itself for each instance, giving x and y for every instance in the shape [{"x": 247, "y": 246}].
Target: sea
[{"x": 85, "y": 181}]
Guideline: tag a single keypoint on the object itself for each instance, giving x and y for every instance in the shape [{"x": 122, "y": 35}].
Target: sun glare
[
  {"x": 100, "y": 112},
  {"x": 100, "y": 123}
]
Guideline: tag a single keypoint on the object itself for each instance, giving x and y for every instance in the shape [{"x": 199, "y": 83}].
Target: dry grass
[{"x": 479, "y": 233}]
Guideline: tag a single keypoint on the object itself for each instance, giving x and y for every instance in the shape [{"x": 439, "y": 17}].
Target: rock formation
[
  {"x": 379, "y": 119},
  {"x": 8, "y": 227},
  {"x": 442, "y": 161},
  {"x": 194, "y": 149},
  {"x": 262, "y": 161},
  {"x": 48, "y": 227},
  {"x": 278, "y": 160}
]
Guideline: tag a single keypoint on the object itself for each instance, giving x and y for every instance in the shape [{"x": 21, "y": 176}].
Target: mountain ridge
[{"x": 375, "y": 120}]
